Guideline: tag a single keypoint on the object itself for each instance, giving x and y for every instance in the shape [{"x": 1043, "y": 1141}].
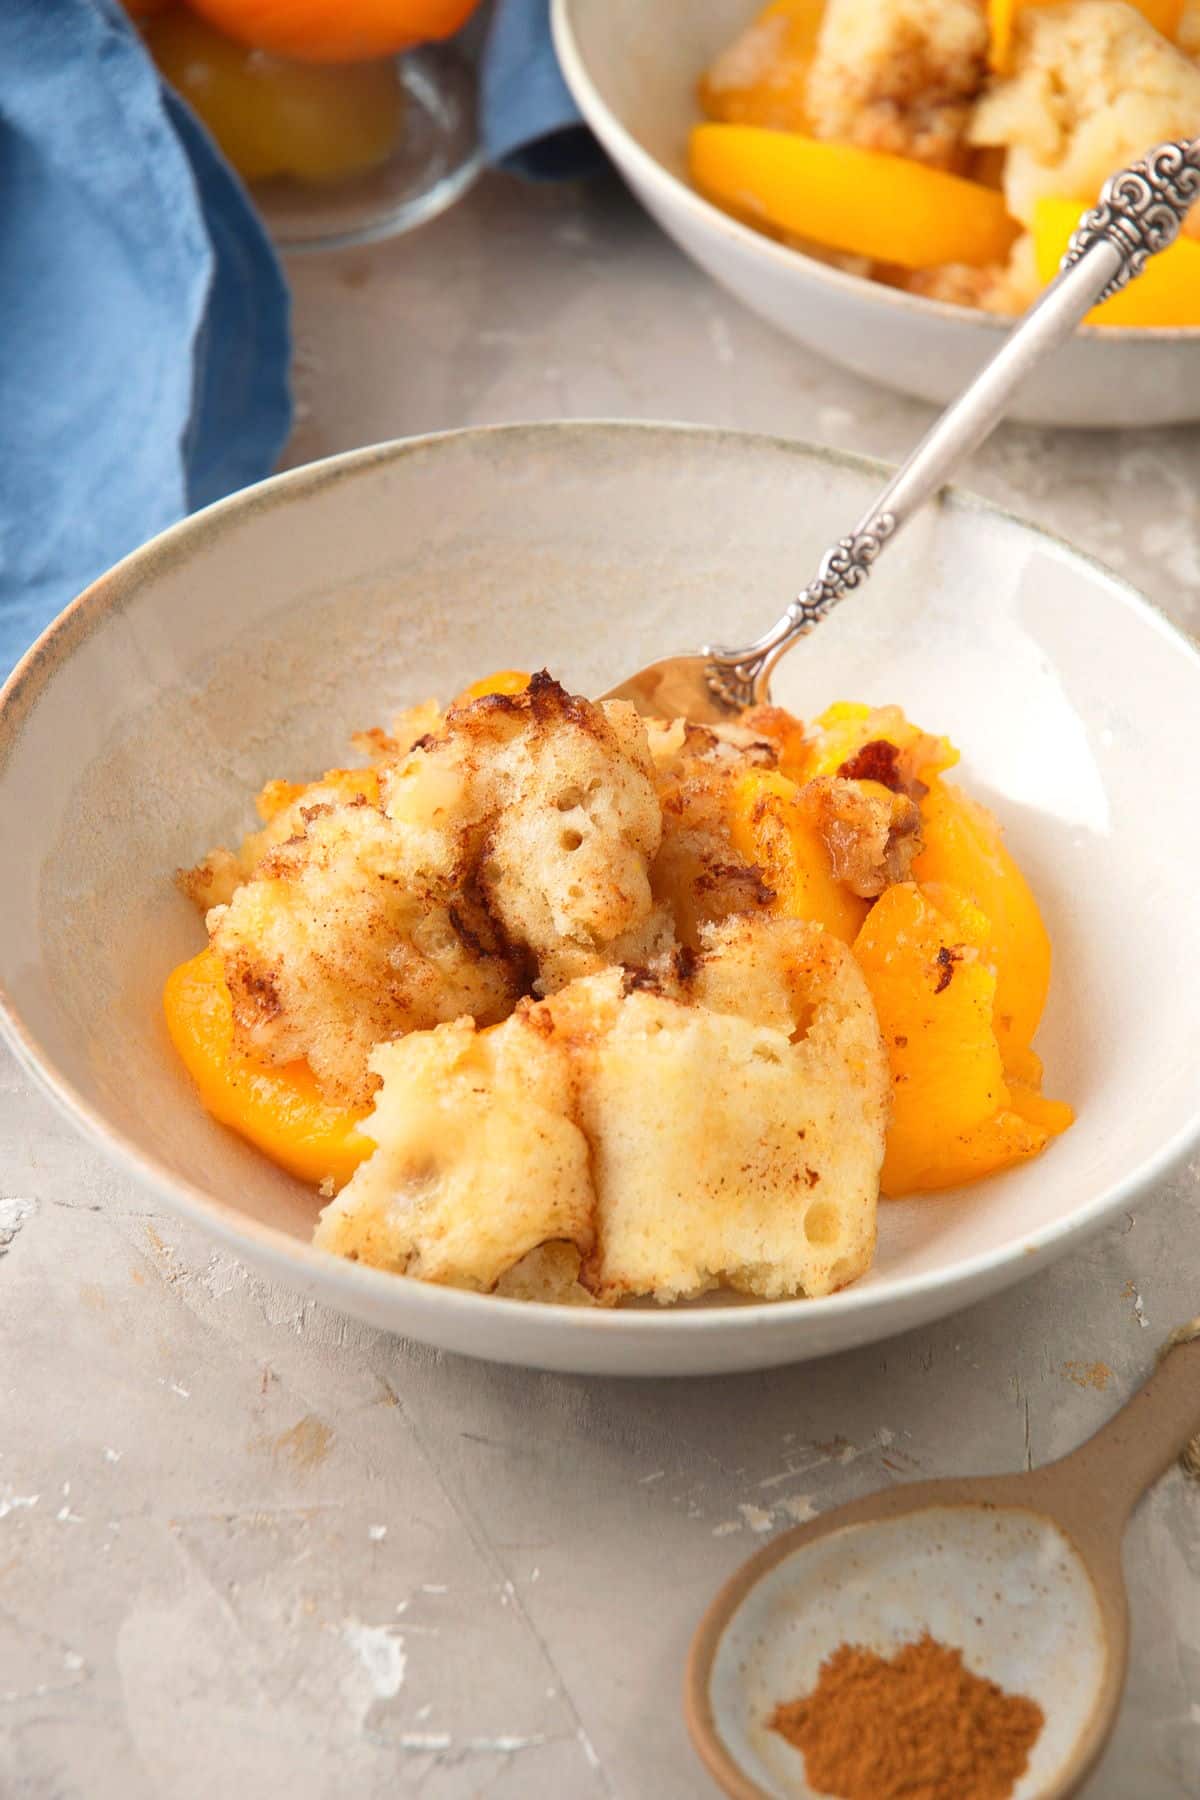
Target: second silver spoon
[{"x": 1140, "y": 213}]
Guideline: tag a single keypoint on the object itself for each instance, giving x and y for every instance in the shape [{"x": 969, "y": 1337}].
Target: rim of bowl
[
  {"x": 625, "y": 147},
  {"x": 180, "y": 543}
]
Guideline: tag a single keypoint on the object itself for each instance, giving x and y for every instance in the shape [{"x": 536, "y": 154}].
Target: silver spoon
[{"x": 1140, "y": 213}]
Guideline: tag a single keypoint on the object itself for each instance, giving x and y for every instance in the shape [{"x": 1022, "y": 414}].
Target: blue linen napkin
[
  {"x": 143, "y": 315},
  {"x": 530, "y": 124}
]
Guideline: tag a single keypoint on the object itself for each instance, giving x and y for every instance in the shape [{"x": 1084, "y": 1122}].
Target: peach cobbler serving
[
  {"x": 948, "y": 147},
  {"x": 554, "y": 1001}
]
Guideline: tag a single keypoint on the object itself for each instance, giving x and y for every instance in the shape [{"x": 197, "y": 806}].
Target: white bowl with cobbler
[
  {"x": 891, "y": 182},
  {"x": 346, "y": 922}
]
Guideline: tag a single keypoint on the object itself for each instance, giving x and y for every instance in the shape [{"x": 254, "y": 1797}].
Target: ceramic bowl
[
  {"x": 633, "y": 69},
  {"x": 250, "y": 640}
]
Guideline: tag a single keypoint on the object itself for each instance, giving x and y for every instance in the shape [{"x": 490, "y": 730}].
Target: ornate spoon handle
[{"x": 1140, "y": 213}]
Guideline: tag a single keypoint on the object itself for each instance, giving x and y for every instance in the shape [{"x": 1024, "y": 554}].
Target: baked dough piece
[
  {"x": 899, "y": 76},
  {"x": 509, "y": 849},
  {"x": 697, "y": 875},
  {"x": 349, "y": 933},
  {"x": 738, "y": 1134},
  {"x": 1094, "y": 86},
  {"x": 717, "y": 1120},
  {"x": 479, "y": 1160}
]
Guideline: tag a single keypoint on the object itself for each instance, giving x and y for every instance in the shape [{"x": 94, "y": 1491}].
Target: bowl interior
[{"x": 248, "y": 643}]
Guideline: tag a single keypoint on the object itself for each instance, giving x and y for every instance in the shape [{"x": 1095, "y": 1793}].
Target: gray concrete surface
[{"x": 250, "y": 1548}]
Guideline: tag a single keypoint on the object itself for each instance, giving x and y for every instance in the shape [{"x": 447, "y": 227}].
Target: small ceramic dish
[
  {"x": 633, "y": 70},
  {"x": 971, "y": 1577},
  {"x": 1019, "y": 1575},
  {"x": 250, "y": 640}
]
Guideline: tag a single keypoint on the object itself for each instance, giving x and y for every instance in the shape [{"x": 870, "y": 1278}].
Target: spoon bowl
[{"x": 1021, "y": 1573}]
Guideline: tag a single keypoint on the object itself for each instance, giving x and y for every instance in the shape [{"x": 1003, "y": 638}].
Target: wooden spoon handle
[{"x": 1108, "y": 1474}]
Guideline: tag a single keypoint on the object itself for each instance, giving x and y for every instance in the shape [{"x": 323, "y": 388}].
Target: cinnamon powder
[{"x": 918, "y": 1727}]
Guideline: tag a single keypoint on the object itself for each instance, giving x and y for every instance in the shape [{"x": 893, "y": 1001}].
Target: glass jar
[{"x": 337, "y": 147}]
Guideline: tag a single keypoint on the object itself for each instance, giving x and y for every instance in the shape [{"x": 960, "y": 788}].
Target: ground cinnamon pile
[{"x": 917, "y": 1727}]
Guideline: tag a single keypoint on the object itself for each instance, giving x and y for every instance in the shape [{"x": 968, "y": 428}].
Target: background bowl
[
  {"x": 633, "y": 70},
  {"x": 250, "y": 640}
]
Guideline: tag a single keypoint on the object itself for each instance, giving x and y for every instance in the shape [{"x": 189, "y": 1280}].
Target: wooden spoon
[{"x": 1020, "y": 1572}]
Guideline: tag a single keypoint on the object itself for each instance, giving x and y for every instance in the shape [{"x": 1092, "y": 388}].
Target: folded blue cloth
[
  {"x": 529, "y": 122},
  {"x": 143, "y": 315}
]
